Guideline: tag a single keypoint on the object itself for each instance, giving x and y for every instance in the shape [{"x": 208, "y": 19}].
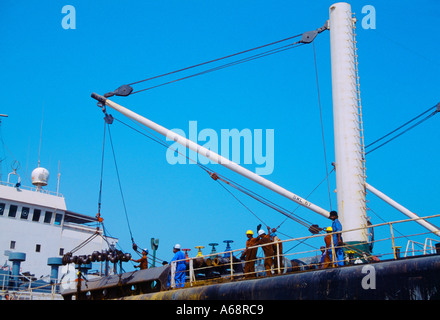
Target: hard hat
[
  {"x": 260, "y": 232},
  {"x": 177, "y": 246},
  {"x": 250, "y": 232},
  {"x": 329, "y": 229}
]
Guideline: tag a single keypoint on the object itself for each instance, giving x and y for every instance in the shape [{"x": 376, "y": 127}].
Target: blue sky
[{"x": 49, "y": 72}]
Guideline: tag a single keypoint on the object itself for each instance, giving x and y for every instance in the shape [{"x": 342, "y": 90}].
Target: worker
[
  {"x": 326, "y": 257},
  {"x": 265, "y": 240},
  {"x": 249, "y": 255},
  {"x": 180, "y": 275},
  {"x": 277, "y": 249},
  {"x": 337, "y": 238},
  {"x": 322, "y": 260},
  {"x": 143, "y": 261}
]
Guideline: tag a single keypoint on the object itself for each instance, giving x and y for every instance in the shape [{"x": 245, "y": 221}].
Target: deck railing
[{"x": 226, "y": 266}]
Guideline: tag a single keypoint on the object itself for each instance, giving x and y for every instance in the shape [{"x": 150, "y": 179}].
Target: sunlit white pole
[
  {"x": 350, "y": 182},
  {"x": 404, "y": 210},
  {"x": 211, "y": 155}
]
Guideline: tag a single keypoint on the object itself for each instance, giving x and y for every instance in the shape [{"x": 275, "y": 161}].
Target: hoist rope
[
  {"x": 102, "y": 172},
  {"x": 119, "y": 183},
  {"x": 85, "y": 242}
]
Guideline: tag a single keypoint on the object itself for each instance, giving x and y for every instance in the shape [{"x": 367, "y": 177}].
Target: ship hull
[{"x": 415, "y": 278}]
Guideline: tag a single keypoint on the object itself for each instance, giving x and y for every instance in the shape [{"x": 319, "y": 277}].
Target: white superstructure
[{"x": 36, "y": 222}]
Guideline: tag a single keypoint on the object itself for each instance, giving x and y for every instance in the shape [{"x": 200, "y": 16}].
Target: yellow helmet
[
  {"x": 249, "y": 232},
  {"x": 329, "y": 229}
]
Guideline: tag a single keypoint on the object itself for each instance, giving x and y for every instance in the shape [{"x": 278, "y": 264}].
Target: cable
[
  {"x": 242, "y": 203},
  {"x": 231, "y": 183},
  {"x": 406, "y": 130},
  {"x": 102, "y": 172},
  {"x": 230, "y": 64},
  {"x": 214, "y": 60},
  {"x": 322, "y": 127},
  {"x": 119, "y": 182}
]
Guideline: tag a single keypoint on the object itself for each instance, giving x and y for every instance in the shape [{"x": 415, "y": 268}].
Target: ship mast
[
  {"x": 349, "y": 160},
  {"x": 350, "y": 179}
]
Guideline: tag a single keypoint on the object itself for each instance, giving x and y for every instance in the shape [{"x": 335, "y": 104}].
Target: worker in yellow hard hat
[
  {"x": 249, "y": 255},
  {"x": 328, "y": 249}
]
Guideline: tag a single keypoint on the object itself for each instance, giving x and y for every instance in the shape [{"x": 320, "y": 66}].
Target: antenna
[
  {"x": 1, "y": 160},
  {"x": 58, "y": 178},
  {"x": 41, "y": 134}
]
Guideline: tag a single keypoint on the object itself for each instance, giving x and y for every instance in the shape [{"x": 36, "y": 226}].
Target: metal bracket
[
  {"x": 108, "y": 118},
  {"x": 99, "y": 98},
  {"x": 122, "y": 91},
  {"x": 308, "y": 36},
  {"x": 324, "y": 27}
]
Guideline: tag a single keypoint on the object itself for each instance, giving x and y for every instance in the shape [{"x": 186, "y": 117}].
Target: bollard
[
  {"x": 16, "y": 258},
  {"x": 54, "y": 264}
]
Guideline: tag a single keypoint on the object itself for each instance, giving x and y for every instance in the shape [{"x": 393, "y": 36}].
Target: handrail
[
  {"x": 232, "y": 265},
  {"x": 431, "y": 246},
  {"x": 33, "y": 189},
  {"x": 396, "y": 249}
]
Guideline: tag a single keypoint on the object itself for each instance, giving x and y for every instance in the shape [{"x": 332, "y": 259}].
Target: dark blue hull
[{"x": 415, "y": 278}]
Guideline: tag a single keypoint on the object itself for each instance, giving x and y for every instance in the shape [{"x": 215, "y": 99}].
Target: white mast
[
  {"x": 350, "y": 181},
  {"x": 211, "y": 155}
]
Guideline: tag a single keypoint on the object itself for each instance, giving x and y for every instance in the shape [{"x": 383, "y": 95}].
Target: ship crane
[{"x": 349, "y": 158}]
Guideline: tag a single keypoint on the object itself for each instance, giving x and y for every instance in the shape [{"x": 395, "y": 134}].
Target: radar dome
[{"x": 40, "y": 176}]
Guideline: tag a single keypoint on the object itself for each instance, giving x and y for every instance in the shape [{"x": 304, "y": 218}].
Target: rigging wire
[
  {"x": 268, "y": 203},
  {"x": 230, "y": 182},
  {"x": 326, "y": 178},
  {"x": 437, "y": 107},
  {"x": 257, "y": 56},
  {"x": 119, "y": 182},
  {"x": 242, "y": 203},
  {"x": 322, "y": 127},
  {"x": 215, "y": 60},
  {"x": 102, "y": 172},
  {"x": 241, "y": 188},
  {"x": 127, "y": 90}
]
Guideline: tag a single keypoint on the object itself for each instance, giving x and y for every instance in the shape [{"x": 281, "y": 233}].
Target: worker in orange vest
[
  {"x": 264, "y": 240},
  {"x": 143, "y": 262},
  {"x": 249, "y": 255},
  {"x": 328, "y": 249}
]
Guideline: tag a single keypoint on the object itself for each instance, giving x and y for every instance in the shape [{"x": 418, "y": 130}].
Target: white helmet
[
  {"x": 260, "y": 232},
  {"x": 177, "y": 246}
]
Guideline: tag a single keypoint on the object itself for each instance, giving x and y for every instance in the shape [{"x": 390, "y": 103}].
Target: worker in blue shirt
[
  {"x": 180, "y": 275},
  {"x": 337, "y": 238}
]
